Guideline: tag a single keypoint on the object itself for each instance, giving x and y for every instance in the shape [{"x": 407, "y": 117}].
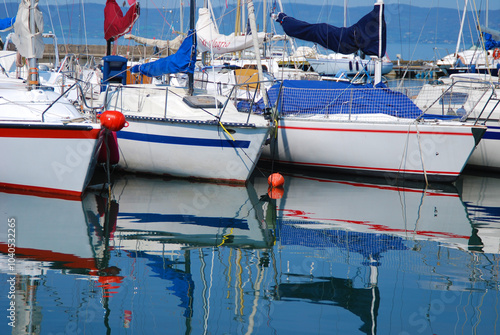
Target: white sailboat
[
  {"x": 336, "y": 64},
  {"x": 483, "y": 57},
  {"x": 46, "y": 144},
  {"x": 181, "y": 132},
  {"x": 364, "y": 129},
  {"x": 469, "y": 96}
]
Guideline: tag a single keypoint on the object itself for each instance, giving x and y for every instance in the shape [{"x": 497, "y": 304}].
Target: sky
[{"x": 493, "y": 4}]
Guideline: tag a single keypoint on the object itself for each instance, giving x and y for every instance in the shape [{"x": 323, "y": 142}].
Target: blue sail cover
[
  {"x": 7, "y": 23},
  {"x": 489, "y": 42},
  {"x": 364, "y": 35},
  {"x": 183, "y": 61},
  {"x": 330, "y": 97}
]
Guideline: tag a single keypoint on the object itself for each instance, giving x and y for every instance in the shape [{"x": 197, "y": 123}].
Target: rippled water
[{"x": 327, "y": 256}]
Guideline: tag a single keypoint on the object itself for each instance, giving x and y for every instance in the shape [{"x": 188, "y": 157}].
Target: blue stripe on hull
[
  {"x": 492, "y": 133},
  {"x": 202, "y": 142}
]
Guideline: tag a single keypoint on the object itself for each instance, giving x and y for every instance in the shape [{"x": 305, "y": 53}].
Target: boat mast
[
  {"x": 33, "y": 75},
  {"x": 345, "y": 13},
  {"x": 461, "y": 29},
  {"x": 378, "y": 59},
  {"x": 192, "y": 7},
  {"x": 253, "y": 28},
  {"x": 487, "y": 11}
]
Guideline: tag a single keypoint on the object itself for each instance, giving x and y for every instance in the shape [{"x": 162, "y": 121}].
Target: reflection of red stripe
[
  {"x": 381, "y": 187},
  {"x": 44, "y": 192},
  {"x": 377, "y": 131},
  {"x": 369, "y": 168},
  {"x": 69, "y": 260},
  {"x": 49, "y": 133}
]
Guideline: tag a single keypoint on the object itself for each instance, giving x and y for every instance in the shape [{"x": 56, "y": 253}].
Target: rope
[{"x": 421, "y": 156}]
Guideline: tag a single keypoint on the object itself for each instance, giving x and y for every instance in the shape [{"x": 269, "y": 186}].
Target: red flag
[{"x": 115, "y": 24}]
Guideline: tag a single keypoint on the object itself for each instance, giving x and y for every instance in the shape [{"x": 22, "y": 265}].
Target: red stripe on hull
[
  {"x": 381, "y": 187},
  {"x": 49, "y": 133},
  {"x": 376, "y": 131},
  {"x": 370, "y": 168},
  {"x": 43, "y": 192}
]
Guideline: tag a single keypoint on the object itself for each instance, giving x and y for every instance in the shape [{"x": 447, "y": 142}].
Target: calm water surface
[{"x": 331, "y": 256}]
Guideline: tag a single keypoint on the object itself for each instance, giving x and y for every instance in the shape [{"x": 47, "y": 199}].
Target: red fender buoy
[{"x": 113, "y": 120}]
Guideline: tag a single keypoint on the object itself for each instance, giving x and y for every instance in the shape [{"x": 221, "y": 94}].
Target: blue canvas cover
[
  {"x": 489, "y": 42},
  {"x": 330, "y": 97},
  {"x": 183, "y": 61},
  {"x": 364, "y": 35},
  {"x": 7, "y": 23}
]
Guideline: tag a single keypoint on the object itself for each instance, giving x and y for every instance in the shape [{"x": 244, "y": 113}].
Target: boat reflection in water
[
  {"x": 357, "y": 243},
  {"x": 481, "y": 196},
  {"x": 49, "y": 239},
  {"x": 183, "y": 214},
  {"x": 331, "y": 256}
]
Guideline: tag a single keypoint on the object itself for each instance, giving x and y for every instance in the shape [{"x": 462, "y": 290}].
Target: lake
[{"x": 324, "y": 255}]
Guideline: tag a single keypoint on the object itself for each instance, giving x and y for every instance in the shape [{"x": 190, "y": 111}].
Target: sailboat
[
  {"x": 363, "y": 129},
  {"x": 472, "y": 95},
  {"x": 182, "y": 132},
  {"x": 46, "y": 144},
  {"x": 482, "y": 57}
]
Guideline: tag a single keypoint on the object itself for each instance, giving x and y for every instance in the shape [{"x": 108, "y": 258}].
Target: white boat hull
[
  {"x": 349, "y": 66},
  {"x": 391, "y": 150},
  {"x": 469, "y": 93},
  {"x": 486, "y": 155},
  {"x": 48, "y": 158},
  {"x": 198, "y": 150}
]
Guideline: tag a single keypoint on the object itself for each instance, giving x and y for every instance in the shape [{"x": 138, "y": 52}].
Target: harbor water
[{"x": 323, "y": 255}]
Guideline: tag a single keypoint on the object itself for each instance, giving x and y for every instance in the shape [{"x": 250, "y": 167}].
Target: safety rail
[
  {"x": 463, "y": 99},
  {"x": 169, "y": 103},
  {"x": 91, "y": 111}
]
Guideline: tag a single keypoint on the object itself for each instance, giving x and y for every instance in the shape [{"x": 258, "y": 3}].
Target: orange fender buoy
[
  {"x": 113, "y": 120},
  {"x": 276, "y": 180},
  {"x": 275, "y": 192}
]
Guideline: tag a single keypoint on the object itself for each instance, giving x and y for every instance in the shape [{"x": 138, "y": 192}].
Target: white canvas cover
[
  {"x": 209, "y": 38},
  {"x": 22, "y": 34},
  {"x": 162, "y": 44}
]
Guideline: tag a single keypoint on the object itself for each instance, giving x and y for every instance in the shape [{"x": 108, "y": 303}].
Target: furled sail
[
  {"x": 183, "y": 61},
  {"x": 7, "y": 23},
  {"x": 489, "y": 42},
  {"x": 29, "y": 44},
  {"x": 209, "y": 38},
  {"x": 173, "y": 45},
  {"x": 364, "y": 35},
  {"x": 115, "y": 23}
]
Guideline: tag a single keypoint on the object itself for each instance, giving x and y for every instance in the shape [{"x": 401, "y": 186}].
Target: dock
[{"x": 417, "y": 69}]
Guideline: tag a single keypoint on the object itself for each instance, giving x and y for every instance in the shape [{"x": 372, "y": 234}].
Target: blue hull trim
[
  {"x": 202, "y": 142},
  {"x": 492, "y": 133}
]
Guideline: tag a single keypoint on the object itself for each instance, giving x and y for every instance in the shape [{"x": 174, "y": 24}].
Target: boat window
[{"x": 453, "y": 98}]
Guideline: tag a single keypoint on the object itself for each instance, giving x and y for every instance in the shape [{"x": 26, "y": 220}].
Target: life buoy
[{"x": 496, "y": 53}]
